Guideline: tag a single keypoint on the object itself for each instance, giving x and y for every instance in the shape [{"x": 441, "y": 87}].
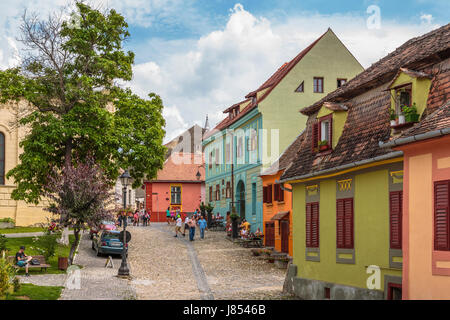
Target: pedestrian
[
  {"x": 186, "y": 225},
  {"x": 168, "y": 215},
  {"x": 192, "y": 224},
  {"x": 147, "y": 218},
  {"x": 136, "y": 219},
  {"x": 178, "y": 226},
  {"x": 202, "y": 226},
  {"x": 22, "y": 259}
]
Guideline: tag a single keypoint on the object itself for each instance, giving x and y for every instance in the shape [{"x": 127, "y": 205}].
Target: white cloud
[{"x": 217, "y": 70}]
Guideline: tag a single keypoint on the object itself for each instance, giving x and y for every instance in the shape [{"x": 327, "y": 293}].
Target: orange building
[
  {"x": 277, "y": 203},
  {"x": 426, "y": 203}
]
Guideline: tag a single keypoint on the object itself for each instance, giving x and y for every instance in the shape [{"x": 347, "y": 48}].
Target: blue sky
[{"x": 202, "y": 56}]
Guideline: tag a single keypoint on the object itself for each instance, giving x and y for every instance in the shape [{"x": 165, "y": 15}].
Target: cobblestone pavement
[
  {"x": 165, "y": 267},
  {"x": 44, "y": 279},
  {"x": 96, "y": 281}
]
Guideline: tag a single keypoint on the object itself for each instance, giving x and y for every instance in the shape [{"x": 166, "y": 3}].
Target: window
[
  {"x": 228, "y": 153},
  {"x": 217, "y": 157},
  {"x": 344, "y": 223},
  {"x": 395, "y": 219},
  {"x": 312, "y": 225},
  {"x": 441, "y": 215},
  {"x": 175, "y": 192},
  {"x": 210, "y": 194},
  {"x": 253, "y": 140},
  {"x": 318, "y": 85},
  {"x": 341, "y": 82},
  {"x": 239, "y": 147},
  {"x": 322, "y": 134},
  {"x": 301, "y": 87},
  {"x": 210, "y": 160},
  {"x": 228, "y": 190},
  {"x": 2, "y": 158},
  {"x": 278, "y": 193},
  {"x": 217, "y": 192},
  {"x": 253, "y": 198},
  {"x": 267, "y": 194},
  {"x": 403, "y": 98}
]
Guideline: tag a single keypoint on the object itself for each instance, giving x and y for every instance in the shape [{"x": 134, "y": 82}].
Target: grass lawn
[
  {"x": 13, "y": 244},
  {"x": 21, "y": 230},
  {"x": 31, "y": 292}
]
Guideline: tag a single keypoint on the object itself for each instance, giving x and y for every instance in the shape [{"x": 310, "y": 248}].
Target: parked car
[
  {"x": 108, "y": 242},
  {"x": 104, "y": 225}
]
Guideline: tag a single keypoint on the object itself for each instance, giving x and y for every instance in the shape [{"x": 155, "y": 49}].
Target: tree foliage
[{"x": 68, "y": 77}]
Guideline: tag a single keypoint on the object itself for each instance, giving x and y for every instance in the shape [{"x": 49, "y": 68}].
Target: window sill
[{"x": 269, "y": 204}]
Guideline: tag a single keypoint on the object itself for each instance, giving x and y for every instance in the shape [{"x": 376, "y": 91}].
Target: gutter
[
  {"x": 418, "y": 137},
  {"x": 391, "y": 155}
]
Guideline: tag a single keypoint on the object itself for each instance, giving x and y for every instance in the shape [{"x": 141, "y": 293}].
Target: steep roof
[
  {"x": 269, "y": 84},
  {"x": 410, "y": 55},
  {"x": 286, "y": 157},
  {"x": 194, "y": 133},
  {"x": 182, "y": 167},
  {"x": 368, "y": 108}
]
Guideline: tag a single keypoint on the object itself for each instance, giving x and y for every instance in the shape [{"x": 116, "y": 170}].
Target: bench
[
  {"x": 43, "y": 265},
  {"x": 254, "y": 243}
]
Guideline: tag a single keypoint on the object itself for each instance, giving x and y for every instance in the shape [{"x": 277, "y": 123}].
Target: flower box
[{"x": 414, "y": 117}]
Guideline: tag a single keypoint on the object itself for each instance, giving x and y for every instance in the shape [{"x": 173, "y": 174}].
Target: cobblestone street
[{"x": 164, "y": 267}]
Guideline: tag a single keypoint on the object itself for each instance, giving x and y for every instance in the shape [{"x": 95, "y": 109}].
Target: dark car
[{"x": 108, "y": 242}]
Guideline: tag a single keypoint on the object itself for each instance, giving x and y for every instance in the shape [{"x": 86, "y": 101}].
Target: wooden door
[
  {"x": 270, "y": 234},
  {"x": 284, "y": 224}
]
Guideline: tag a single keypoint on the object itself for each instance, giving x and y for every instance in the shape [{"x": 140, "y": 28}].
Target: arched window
[{"x": 2, "y": 158}]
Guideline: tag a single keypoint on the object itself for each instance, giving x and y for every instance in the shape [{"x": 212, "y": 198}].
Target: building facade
[
  {"x": 257, "y": 129},
  {"x": 349, "y": 191},
  {"x": 178, "y": 186}
]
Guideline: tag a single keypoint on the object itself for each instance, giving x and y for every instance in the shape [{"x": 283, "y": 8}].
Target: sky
[{"x": 201, "y": 56}]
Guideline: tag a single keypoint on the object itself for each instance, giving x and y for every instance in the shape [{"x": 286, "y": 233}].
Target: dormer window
[
  {"x": 341, "y": 82},
  {"x": 253, "y": 99},
  {"x": 322, "y": 138}
]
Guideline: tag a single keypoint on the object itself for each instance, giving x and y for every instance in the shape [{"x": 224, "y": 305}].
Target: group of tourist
[
  {"x": 141, "y": 216},
  {"x": 190, "y": 223}
]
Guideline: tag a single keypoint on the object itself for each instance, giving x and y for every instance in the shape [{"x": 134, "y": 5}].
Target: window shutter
[
  {"x": 315, "y": 225},
  {"x": 340, "y": 212},
  {"x": 308, "y": 224},
  {"x": 269, "y": 194},
  {"x": 315, "y": 136},
  {"x": 348, "y": 223},
  {"x": 330, "y": 133},
  {"x": 280, "y": 193},
  {"x": 441, "y": 216},
  {"x": 265, "y": 194},
  {"x": 276, "y": 192},
  {"x": 395, "y": 219}
]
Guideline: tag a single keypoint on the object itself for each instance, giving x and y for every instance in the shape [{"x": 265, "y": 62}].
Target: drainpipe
[{"x": 418, "y": 137}]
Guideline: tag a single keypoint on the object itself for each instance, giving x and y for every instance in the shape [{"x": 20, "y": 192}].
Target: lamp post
[{"x": 125, "y": 179}]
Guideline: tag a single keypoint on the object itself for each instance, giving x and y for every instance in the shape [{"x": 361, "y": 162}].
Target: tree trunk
[
  {"x": 76, "y": 233},
  {"x": 234, "y": 229}
]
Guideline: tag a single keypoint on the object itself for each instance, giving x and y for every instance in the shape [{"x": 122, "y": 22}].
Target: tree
[
  {"x": 68, "y": 77},
  {"x": 81, "y": 196}
]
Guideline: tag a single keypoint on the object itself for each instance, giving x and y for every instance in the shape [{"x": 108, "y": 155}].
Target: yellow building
[{"x": 10, "y": 136}]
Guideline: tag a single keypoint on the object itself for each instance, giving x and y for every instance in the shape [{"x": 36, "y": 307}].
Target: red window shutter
[
  {"x": 330, "y": 133},
  {"x": 280, "y": 193},
  {"x": 340, "y": 212},
  {"x": 441, "y": 216},
  {"x": 276, "y": 192},
  {"x": 395, "y": 219},
  {"x": 269, "y": 194},
  {"x": 315, "y": 136},
  {"x": 348, "y": 224},
  {"x": 265, "y": 194},
  {"x": 308, "y": 224},
  {"x": 315, "y": 225}
]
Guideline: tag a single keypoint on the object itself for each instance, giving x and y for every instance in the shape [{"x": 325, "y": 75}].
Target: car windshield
[{"x": 110, "y": 236}]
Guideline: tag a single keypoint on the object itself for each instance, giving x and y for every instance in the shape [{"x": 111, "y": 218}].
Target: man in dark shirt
[{"x": 22, "y": 259}]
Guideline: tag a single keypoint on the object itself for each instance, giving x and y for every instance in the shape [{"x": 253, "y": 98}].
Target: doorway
[
  {"x": 394, "y": 291},
  {"x": 240, "y": 194},
  {"x": 284, "y": 225}
]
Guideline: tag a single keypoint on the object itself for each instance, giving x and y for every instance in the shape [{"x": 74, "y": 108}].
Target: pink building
[{"x": 179, "y": 185}]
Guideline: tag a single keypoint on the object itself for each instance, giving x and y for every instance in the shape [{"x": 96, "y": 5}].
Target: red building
[{"x": 179, "y": 185}]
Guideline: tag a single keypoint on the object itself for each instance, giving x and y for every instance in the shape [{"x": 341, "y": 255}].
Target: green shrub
[
  {"x": 46, "y": 245},
  {"x": 7, "y": 220},
  {"x": 16, "y": 284},
  {"x": 3, "y": 241},
  {"x": 7, "y": 273}
]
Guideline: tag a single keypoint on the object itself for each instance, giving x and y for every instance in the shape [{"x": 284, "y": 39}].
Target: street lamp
[{"x": 125, "y": 179}]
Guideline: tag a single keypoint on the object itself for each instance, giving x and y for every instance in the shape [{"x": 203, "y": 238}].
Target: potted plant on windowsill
[
  {"x": 393, "y": 117},
  {"x": 411, "y": 114},
  {"x": 323, "y": 145}
]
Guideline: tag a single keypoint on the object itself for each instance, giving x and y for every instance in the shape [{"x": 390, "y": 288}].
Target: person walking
[
  {"x": 202, "y": 226},
  {"x": 192, "y": 223},
  {"x": 136, "y": 218},
  {"x": 186, "y": 225},
  {"x": 178, "y": 226},
  {"x": 168, "y": 215}
]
